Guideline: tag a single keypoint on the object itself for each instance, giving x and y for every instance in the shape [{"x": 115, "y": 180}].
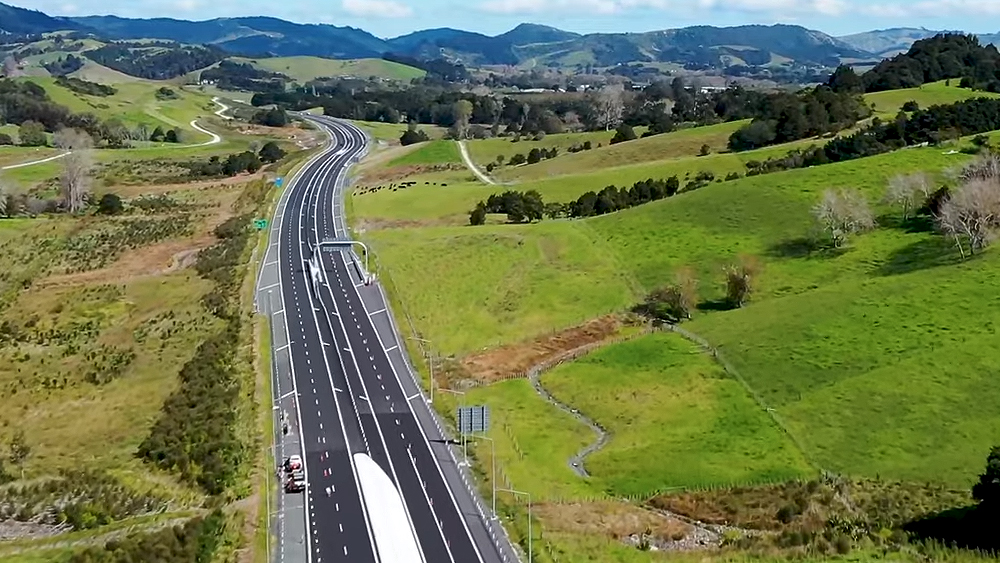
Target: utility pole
[
  {"x": 461, "y": 403},
  {"x": 513, "y": 492},
  {"x": 493, "y": 471},
  {"x": 430, "y": 363}
]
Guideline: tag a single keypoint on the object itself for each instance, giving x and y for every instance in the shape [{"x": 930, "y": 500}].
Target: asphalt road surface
[{"x": 345, "y": 387}]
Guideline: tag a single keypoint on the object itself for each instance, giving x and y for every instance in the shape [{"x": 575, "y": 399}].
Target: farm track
[{"x": 472, "y": 165}]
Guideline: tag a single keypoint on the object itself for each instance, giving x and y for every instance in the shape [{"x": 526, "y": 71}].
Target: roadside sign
[
  {"x": 278, "y": 181},
  {"x": 473, "y": 419},
  {"x": 260, "y": 224}
]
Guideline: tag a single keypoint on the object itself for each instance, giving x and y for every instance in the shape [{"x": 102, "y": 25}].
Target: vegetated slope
[
  {"x": 676, "y": 419},
  {"x": 704, "y": 45},
  {"x": 251, "y": 36},
  {"x": 157, "y": 62},
  {"x": 889, "y": 102},
  {"x": 20, "y": 21},
  {"x": 133, "y": 102},
  {"x": 825, "y": 332},
  {"x": 303, "y": 69}
]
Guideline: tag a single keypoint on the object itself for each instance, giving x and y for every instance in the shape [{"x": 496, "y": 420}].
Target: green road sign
[{"x": 261, "y": 224}]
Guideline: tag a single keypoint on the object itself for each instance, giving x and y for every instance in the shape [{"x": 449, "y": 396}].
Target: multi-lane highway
[{"x": 381, "y": 482}]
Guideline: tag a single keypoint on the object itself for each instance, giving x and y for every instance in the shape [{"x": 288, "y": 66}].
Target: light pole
[
  {"x": 430, "y": 364},
  {"x": 513, "y": 492},
  {"x": 461, "y": 432},
  {"x": 493, "y": 471}
]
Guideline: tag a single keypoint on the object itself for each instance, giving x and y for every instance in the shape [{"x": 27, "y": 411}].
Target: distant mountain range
[
  {"x": 527, "y": 45},
  {"x": 886, "y": 43}
]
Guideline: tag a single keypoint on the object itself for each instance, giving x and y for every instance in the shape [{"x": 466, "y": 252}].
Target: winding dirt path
[{"x": 472, "y": 166}]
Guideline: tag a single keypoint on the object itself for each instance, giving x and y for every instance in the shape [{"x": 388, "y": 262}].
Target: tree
[
  {"x": 478, "y": 215},
  {"x": 412, "y": 135},
  {"x": 275, "y": 117},
  {"x": 623, "y": 133},
  {"x": 741, "y": 280},
  {"x": 157, "y": 135},
  {"x": 110, "y": 204},
  {"x": 845, "y": 81},
  {"x": 5, "y": 206},
  {"x": 705, "y": 150},
  {"x": 907, "y": 191},
  {"x": 462, "y": 114},
  {"x": 271, "y": 152},
  {"x": 76, "y": 167},
  {"x": 972, "y": 213},
  {"x": 842, "y": 213},
  {"x": 172, "y": 136},
  {"x": 609, "y": 106},
  {"x": 6, "y": 139},
  {"x": 32, "y": 134},
  {"x": 911, "y": 106},
  {"x": 674, "y": 302},
  {"x": 984, "y": 167},
  {"x": 19, "y": 450},
  {"x": 987, "y": 490}
]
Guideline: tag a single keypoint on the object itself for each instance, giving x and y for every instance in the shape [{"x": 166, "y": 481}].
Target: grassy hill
[
  {"x": 936, "y": 93},
  {"x": 303, "y": 69}
]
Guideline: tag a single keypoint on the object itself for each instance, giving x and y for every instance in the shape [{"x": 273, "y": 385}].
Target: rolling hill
[
  {"x": 19, "y": 21},
  {"x": 528, "y": 44}
]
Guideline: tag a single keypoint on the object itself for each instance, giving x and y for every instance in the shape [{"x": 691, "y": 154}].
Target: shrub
[
  {"x": 478, "y": 215},
  {"x": 412, "y": 135},
  {"x": 623, "y": 133},
  {"x": 911, "y": 105},
  {"x": 271, "y": 152},
  {"x": 110, "y": 204},
  {"x": 6, "y": 139}
]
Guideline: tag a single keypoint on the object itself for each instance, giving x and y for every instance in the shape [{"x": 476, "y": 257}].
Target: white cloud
[
  {"x": 377, "y": 8},
  {"x": 187, "y": 5}
]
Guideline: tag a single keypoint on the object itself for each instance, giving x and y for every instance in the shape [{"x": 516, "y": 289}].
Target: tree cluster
[
  {"x": 216, "y": 167},
  {"x": 528, "y": 206},
  {"x": 944, "y": 56},
  {"x": 413, "y": 135},
  {"x": 436, "y": 69},
  {"x": 677, "y": 301},
  {"x": 932, "y": 125},
  {"x": 275, "y": 117},
  {"x": 520, "y": 207},
  {"x": 786, "y": 117},
  {"x": 160, "y": 62},
  {"x": 196, "y": 433},
  {"x": 86, "y": 87},
  {"x": 64, "y": 65},
  {"x": 229, "y": 75},
  {"x": 613, "y": 198},
  {"x": 534, "y": 156},
  {"x": 197, "y": 540}
]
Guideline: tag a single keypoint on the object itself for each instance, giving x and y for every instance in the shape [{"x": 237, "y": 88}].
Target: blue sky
[{"x": 388, "y": 18}]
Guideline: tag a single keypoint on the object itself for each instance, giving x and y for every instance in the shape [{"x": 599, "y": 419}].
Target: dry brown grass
[
  {"x": 611, "y": 519},
  {"x": 500, "y": 363},
  {"x": 165, "y": 257}
]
